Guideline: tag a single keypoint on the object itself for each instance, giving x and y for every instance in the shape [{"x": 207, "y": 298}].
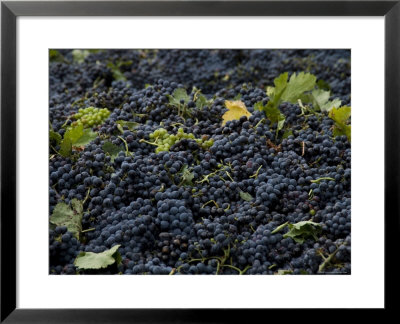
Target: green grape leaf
[
  {"x": 306, "y": 98},
  {"x": 297, "y": 85},
  {"x": 320, "y": 97},
  {"x": 258, "y": 106},
  {"x": 274, "y": 115},
  {"x": 287, "y": 133},
  {"x": 78, "y": 56},
  {"x": 66, "y": 147},
  {"x": 272, "y": 112},
  {"x": 276, "y": 93},
  {"x": 201, "y": 101},
  {"x": 320, "y": 100},
  {"x": 131, "y": 125},
  {"x": 340, "y": 115},
  {"x": 56, "y": 56},
  {"x": 91, "y": 260},
  {"x": 178, "y": 95},
  {"x": 245, "y": 196},
  {"x": 281, "y": 122},
  {"x": 270, "y": 91},
  {"x": 118, "y": 258},
  {"x": 116, "y": 72},
  {"x": 323, "y": 85},
  {"x": 111, "y": 149},
  {"x": 87, "y": 136},
  {"x": 279, "y": 228},
  {"x": 187, "y": 177},
  {"x": 280, "y": 84},
  {"x": 291, "y": 90},
  {"x": 69, "y": 216},
  {"x": 74, "y": 133},
  {"x": 75, "y": 137},
  {"x": 331, "y": 104},
  {"x": 56, "y": 137},
  {"x": 300, "y": 231},
  {"x": 341, "y": 118},
  {"x": 340, "y": 130}
]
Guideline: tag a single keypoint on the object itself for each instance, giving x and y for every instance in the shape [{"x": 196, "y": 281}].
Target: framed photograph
[{"x": 179, "y": 161}]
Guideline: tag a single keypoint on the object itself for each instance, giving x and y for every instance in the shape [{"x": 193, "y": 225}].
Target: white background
[{"x": 363, "y": 288}]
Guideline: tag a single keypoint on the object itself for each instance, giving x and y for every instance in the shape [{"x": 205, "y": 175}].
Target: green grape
[
  {"x": 164, "y": 141},
  {"x": 91, "y": 116}
]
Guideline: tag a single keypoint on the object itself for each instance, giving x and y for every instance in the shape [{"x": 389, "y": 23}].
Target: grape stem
[
  {"x": 241, "y": 272},
  {"x": 255, "y": 175},
  {"x": 89, "y": 230},
  {"x": 144, "y": 141},
  {"x": 126, "y": 146},
  {"x": 262, "y": 120},
  {"x": 210, "y": 201},
  {"x": 227, "y": 208},
  {"x": 327, "y": 260},
  {"x": 227, "y": 173},
  {"x": 87, "y": 196},
  {"x": 320, "y": 179}
]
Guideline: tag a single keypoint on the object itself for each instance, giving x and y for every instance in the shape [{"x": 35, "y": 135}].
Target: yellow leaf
[{"x": 236, "y": 109}]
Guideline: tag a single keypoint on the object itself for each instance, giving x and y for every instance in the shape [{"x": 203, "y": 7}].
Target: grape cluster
[
  {"x": 64, "y": 247},
  {"x": 90, "y": 117},
  {"x": 173, "y": 217},
  {"x": 179, "y": 191},
  {"x": 165, "y": 141}
]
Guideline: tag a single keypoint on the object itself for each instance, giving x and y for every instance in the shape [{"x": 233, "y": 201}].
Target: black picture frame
[{"x": 10, "y": 10}]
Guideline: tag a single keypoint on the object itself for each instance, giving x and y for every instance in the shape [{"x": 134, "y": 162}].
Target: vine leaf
[
  {"x": 187, "y": 176},
  {"x": 130, "y": 125},
  {"x": 116, "y": 72},
  {"x": 300, "y": 231},
  {"x": 297, "y": 85},
  {"x": 273, "y": 113},
  {"x": 320, "y": 100},
  {"x": 111, "y": 149},
  {"x": 56, "y": 56},
  {"x": 201, "y": 101},
  {"x": 279, "y": 228},
  {"x": 75, "y": 137},
  {"x": 245, "y": 196},
  {"x": 91, "y": 260},
  {"x": 78, "y": 56},
  {"x": 178, "y": 95},
  {"x": 69, "y": 216},
  {"x": 323, "y": 85},
  {"x": 341, "y": 118},
  {"x": 66, "y": 147},
  {"x": 87, "y": 136},
  {"x": 54, "y": 136}
]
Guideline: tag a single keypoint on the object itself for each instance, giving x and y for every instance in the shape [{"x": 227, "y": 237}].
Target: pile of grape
[{"x": 200, "y": 162}]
